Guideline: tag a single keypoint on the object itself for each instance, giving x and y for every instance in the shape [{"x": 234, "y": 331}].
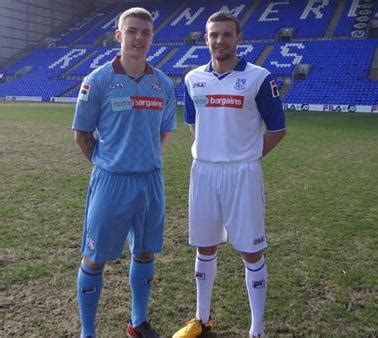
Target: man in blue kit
[{"x": 124, "y": 115}]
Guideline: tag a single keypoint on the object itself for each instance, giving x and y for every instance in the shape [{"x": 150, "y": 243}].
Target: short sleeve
[
  {"x": 88, "y": 105},
  {"x": 270, "y": 106},
  {"x": 190, "y": 111},
  {"x": 169, "y": 115}
]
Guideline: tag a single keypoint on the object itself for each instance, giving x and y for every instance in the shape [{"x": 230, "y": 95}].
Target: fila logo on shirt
[
  {"x": 137, "y": 102},
  {"x": 226, "y": 101},
  {"x": 199, "y": 84}
]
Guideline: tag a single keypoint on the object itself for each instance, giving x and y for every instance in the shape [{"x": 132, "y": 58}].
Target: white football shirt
[{"x": 231, "y": 112}]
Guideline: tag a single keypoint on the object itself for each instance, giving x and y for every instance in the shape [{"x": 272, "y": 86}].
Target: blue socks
[
  {"x": 141, "y": 276},
  {"x": 89, "y": 285}
]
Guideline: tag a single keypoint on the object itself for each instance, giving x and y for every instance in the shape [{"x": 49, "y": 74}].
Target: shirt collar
[
  {"x": 240, "y": 66},
  {"x": 118, "y": 69}
]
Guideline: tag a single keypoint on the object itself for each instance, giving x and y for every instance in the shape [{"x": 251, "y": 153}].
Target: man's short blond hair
[{"x": 135, "y": 12}]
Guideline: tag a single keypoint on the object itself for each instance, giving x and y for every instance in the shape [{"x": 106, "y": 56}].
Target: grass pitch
[{"x": 322, "y": 221}]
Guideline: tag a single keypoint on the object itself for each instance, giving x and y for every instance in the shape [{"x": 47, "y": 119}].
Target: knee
[
  {"x": 252, "y": 257},
  {"x": 144, "y": 257},
  {"x": 207, "y": 251},
  {"x": 90, "y": 264}
]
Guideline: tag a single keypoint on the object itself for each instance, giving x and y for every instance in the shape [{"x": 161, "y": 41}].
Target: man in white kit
[{"x": 235, "y": 115}]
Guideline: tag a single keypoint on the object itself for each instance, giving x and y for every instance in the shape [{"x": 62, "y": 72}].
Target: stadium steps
[
  {"x": 264, "y": 55},
  {"x": 70, "y": 90},
  {"x": 335, "y": 19},
  {"x": 165, "y": 59},
  {"x": 249, "y": 12},
  {"x": 286, "y": 85},
  {"x": 66, "y": 75},
  {"x": 373, "y": 74},
  {"x": 74, "y": 44},
  {"x": 172, "y": 16}
]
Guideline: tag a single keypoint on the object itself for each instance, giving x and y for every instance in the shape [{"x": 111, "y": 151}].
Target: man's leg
[
  {"x": 142, "y": 268},
  {"x": 206, "y": 230},
  {"x": 256, "y": 283},
  {"x": 205, "y": 272},
  {"x": 89, "y": 286}
]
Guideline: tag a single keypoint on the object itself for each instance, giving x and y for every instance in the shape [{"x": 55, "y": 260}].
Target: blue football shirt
[{"x": 127, "y": 115}]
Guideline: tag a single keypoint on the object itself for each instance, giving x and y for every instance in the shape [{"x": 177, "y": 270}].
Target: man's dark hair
[{"x": 224, "y": 16}]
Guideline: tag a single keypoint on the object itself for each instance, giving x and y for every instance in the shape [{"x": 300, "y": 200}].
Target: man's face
[
  {"x": 222, "y": 39},
  {"x": 135, "y": 37}
]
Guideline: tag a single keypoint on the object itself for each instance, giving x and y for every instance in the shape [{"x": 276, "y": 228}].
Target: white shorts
[{"x": 226, "y": 203}]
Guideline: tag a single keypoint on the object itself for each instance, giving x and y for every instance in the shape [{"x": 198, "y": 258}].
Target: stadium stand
[
  {"x": 328, "y": 42},
  {"x": 355, "y": 18},
  {"x": 346, "y": 79},
  {"x": 187, "y": 57},
  {"x": 42, "y": 78},
  {"x": 99, "y": 56},
  {"x": 193, "y": 18},
  {"x": 308, "y": 18},
  {"x": 106, "y": 21},
  {"x": 74, "y": 33}
]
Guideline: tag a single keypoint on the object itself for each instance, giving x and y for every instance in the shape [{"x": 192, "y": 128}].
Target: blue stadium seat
[{"x": 307, "y": 21}]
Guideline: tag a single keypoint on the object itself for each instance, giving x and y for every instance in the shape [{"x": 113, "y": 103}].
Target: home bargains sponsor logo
[
  {"x": 137, "y": 102},
  {"x": 147, "y": 102},
  {"x": 228, "y": 101}
]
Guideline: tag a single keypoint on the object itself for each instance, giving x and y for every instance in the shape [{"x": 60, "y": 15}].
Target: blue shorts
[{"x": 121, "y": 207}]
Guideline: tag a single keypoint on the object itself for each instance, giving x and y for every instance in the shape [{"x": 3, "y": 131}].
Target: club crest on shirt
[
  {"x": 240, "y": 84},
  {"x": 156, "y": 86}
]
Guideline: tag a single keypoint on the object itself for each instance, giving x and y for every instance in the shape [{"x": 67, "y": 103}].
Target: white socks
[
  {"x": 206, "y": 270},
  {"x": 255, "y": 279}
]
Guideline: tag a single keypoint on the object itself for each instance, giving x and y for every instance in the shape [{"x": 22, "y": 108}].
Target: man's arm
[
  {"x": 165, "y": 137},
  {"x": 86, "y": 142},
  {"x": 192, "y": 128},
  {"x": 271, "y": 139}
]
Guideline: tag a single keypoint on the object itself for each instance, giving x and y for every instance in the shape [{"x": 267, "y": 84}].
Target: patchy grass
[{"x": 322, "y": 219}]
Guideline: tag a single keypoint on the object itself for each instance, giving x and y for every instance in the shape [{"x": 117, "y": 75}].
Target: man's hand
[
  {"x": 86, "y": 142},
  {"x": 165, "y": 137},
  {"x": 271, "y": 139}
]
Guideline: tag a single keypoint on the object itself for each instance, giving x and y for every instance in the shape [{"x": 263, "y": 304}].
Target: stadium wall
[{"x": 351, "y": 108}]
